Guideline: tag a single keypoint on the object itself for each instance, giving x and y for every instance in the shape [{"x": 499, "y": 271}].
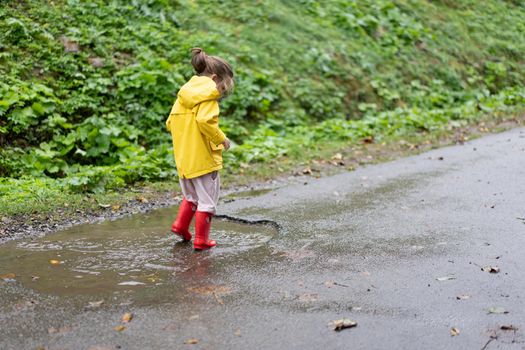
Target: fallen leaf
[
  {"x": 115, "y": 207},
  {"x": 8, "y": 276},
  {"x": 490, "y": 269},
  {"x": 508, "y": 327},
  {"x": 497, "y": 310},
  {"x": 368, "y": 139},
  {"x": 337, "y": 156},
  {"x": 454, "y": 331},
  {"x": 238, "y": 333},
  {"x": 445, "y": 278},
  {"x": 127, "y": 317},
  {"x": 307, "y": 171},
  {"x": 154, "y": 279},
  {"x": 55, "y": 262},
  {"x": 343, "y": 323},
  {"x": 94, "y": 304},
  {"x": 170, "y": 327},
  {"x": 191, "y": 341},
  {"x": 329, "y": 284},
  {"x": 119, "y": 328},
  {"x": 142, "y": 199},
  {"x": 463, "y": 297}
]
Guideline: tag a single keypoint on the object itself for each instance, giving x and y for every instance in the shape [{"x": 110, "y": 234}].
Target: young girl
[{"x": 198, "y": 143}]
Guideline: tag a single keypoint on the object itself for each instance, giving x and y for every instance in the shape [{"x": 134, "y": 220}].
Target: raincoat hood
[{"x": 198, "y": 89}]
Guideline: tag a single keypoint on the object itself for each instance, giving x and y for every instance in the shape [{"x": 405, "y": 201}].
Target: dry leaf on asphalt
[
  {"x": 445, "y": 278},
  {"x": 94, "y": 304},
  {"x": 8, "y": 276},
  {"x": 191, "y": 341},
  {"x": 119, "y": 328},
  {"x": 454, "y": 331},
  {"x": 238, "y": 333},
  {"x": 343, "y": 323},
  {"x": 490, "y": 269},
  {"x": 329, "y": 284},
  {"x": 497, "y": 310},
  {"x": 127, "y": 317},
  {"x": 508, "y": 327}
]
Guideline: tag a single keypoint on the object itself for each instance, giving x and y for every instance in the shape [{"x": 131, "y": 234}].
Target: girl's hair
[{"x": 208, "y": 65}]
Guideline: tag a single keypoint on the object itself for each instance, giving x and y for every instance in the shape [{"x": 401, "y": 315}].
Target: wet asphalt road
[{"x": 369, "y": 245}]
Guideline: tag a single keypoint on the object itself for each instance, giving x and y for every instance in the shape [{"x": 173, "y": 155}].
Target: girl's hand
[{"x": 226, "y": 143}]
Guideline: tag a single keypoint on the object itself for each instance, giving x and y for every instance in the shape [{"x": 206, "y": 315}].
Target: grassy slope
[{"x": 311, "y": 74}]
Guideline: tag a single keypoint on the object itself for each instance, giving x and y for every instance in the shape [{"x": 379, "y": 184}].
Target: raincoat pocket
[{"x": 216, "y": 152}]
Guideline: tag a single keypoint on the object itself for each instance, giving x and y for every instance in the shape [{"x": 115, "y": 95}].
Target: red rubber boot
[
  {"x": 181, "y": 225},
  {"x": 202, "y": 231}
]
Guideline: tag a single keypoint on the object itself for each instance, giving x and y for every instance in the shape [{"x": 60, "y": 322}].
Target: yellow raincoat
[{"x": 194, "y": 127}]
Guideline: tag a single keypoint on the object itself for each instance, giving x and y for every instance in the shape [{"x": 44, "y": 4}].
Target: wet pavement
[{"x": 391, "y": 246}]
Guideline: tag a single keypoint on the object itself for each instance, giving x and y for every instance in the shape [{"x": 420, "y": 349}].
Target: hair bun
[
  {"x": 196, "y": 51},
  {"x": 198, "y": 59}
]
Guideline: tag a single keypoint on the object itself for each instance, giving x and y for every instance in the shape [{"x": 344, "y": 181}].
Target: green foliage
[
  {"x": 87, "y": 86},
  {"x": 266, "y": 143}
]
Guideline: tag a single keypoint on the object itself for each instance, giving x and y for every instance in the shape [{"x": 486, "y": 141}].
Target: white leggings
[{"x": 202, "y": 191}]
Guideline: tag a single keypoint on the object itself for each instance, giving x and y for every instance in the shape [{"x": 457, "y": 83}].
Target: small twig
[
  {"x": 473, "y": 263},
  {"x": 340, "y": 285},
  {"x": 487, "y": 343}
]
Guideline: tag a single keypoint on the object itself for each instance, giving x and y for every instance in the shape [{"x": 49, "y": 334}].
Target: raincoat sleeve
[
  {"x": 207, "y": 119},
  {"x": 168, "y": 121}
]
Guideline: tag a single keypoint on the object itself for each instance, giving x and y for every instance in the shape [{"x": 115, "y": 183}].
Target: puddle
[{"x": 131, "y": 253}]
